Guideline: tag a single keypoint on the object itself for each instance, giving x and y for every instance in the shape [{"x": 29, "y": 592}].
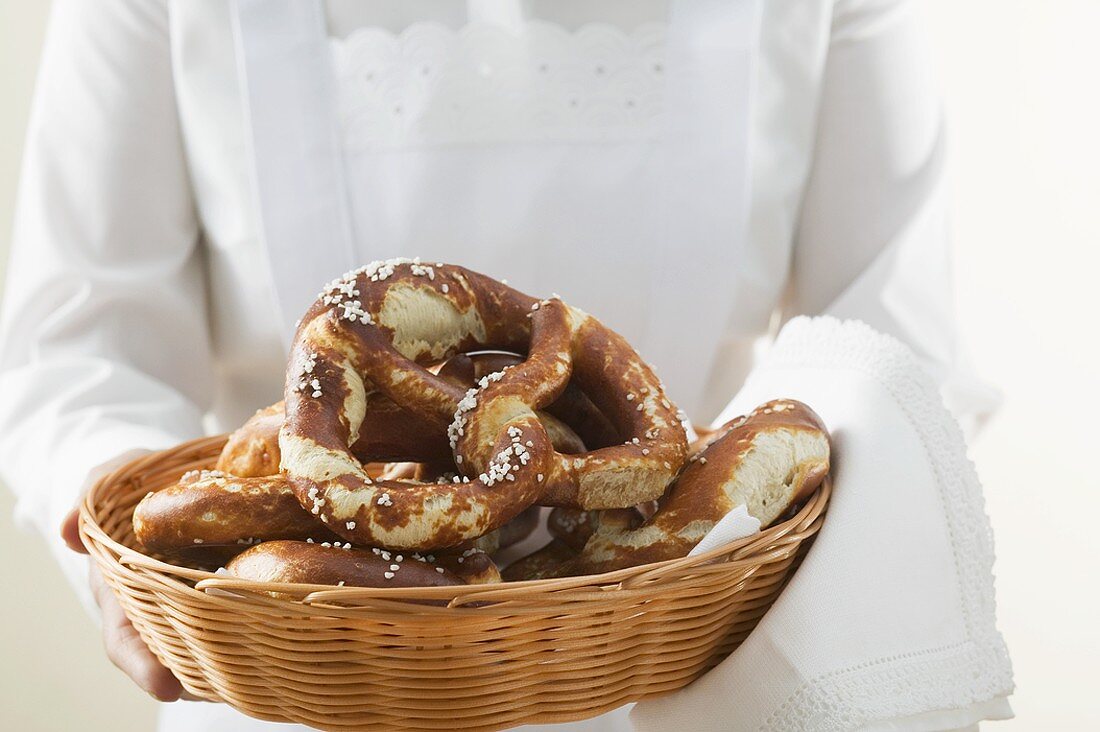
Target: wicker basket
[{"x": 478, "y": 657}]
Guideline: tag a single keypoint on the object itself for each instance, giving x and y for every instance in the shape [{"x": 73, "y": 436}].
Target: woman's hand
[{"x": 124, "y": 646}]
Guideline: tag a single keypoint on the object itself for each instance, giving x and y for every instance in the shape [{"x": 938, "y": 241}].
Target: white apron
[{"x": 609, "y": 166}]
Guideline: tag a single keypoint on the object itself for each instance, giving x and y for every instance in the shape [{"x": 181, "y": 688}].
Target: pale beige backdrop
[
  {"x": 53, "y": 674},
  {"x": 1021, "y": 87}
]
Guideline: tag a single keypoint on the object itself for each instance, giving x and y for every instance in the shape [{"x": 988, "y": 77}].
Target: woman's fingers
[
  {"x": 70, "y": 531},
  {"x": 121, "y": 640},
  {"x": 127, "y": 650}
]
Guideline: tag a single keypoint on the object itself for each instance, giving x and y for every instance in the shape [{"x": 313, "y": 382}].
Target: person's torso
[
  {"x": 578, "y": 148},
  {"x": 552, "y": 202}
]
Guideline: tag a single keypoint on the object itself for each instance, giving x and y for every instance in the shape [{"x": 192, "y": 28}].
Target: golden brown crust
[
  {"x": 253, "y": 450},
  {"x": 359, "y": 391},
  {"x": 261, "y": 509},
  {"x": 698, "y": 493},
  {"x": 369, "y": 333},
  {"x": 771, "y": 460},
  {"x": 305, "y": 563},
  {"x": 388, "y": 432},
  {"x": 573, "y": 407},
  {"x": 210, "y": 508},
  {"x": 172, "y": 521},
  {"x": 512, "y": 532}
]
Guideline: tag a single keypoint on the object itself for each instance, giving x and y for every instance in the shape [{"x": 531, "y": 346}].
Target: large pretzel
[
  {"x": 371, "y": 331},
  {"x": 325, "y": 564},
  {"x": 208, "y": 509},
  {"x": 390, "y": 432},
  {"x": 769, "y": 460}
]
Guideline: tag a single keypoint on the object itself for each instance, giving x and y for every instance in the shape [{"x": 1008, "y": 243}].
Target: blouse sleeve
[
  {"x": 873, "y": 240},
  {"x": 103, "y": 337}
]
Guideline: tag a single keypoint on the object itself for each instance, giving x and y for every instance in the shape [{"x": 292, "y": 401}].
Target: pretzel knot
[{"x": 378, "y": 327}]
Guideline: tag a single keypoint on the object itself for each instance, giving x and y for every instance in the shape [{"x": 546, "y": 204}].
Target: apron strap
[
  {"x": 711, "y": 59},
  {"x": 298, "y": 176},
  {"x": 302, "y": 196}
]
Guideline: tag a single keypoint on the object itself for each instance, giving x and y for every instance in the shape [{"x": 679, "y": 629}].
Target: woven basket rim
[{"x": 747, "y": 550}]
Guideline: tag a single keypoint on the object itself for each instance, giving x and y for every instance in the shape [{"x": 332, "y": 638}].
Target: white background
[{"x": 1021, "y": 82}]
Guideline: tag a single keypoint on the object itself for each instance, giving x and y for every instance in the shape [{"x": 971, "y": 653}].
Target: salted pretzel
[
  {"x": 252, "y": 451},
  {"x": 769, "y": 460},
  {"x": 572, "y": 422},
  {"x": 572, "y": 407},
  {"x": 328, "y": 564},
  {"x": 209, "y": 512},
  {"x": 199, "y": 519},
  {"x": 213, "y": 508},
  {"x": 371, "y": 331}
]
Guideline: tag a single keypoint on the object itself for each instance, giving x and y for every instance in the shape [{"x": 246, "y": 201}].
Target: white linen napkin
[
  {"x": 737, "y": 524},
  {"x": 889, "y": 622}
]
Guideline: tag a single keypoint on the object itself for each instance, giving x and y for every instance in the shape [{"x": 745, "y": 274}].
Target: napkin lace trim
[
  {"x": 943, "y": 678},
  {"x": 485, "y": 83}
]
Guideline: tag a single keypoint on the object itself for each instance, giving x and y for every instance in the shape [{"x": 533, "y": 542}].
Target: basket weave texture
[{"x": 481, "y": 657}]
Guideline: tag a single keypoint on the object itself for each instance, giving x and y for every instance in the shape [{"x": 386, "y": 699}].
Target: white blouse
[{"x": 692, "y": 171}]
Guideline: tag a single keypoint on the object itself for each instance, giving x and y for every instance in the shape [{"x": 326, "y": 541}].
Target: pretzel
[
  {"x": 335, "y": 564},
  {"x": 211, "y": 507},
  {"x": 513, "y": 532},
  {"x": 312, "y": 563},
  {"x": 253, "y": 449},
  {"x": 474, "y": 566},
  {"x": 769, "y": 460},
  {"x": 573, "y": 407},
  {"x": 576, "y": 527},
  {"x": 211, "y": 511},
  {"x": 570, "y": 529},
  {"x": 370, "y": 331}
]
